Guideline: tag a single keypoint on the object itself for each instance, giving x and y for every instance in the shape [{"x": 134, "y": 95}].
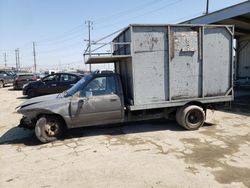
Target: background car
[
  {"x": 22, "y": 79},
  {"x": 5, "y": 78},
  {"x": 54, "y": 83}
]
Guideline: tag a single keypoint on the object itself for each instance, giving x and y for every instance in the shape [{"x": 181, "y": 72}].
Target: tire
[
  {"x": 1, "y": 84},
  {"x": 190, "y": 117},
  {"x": 31, "y": 93},
  {"x": 49, "y": 128}
]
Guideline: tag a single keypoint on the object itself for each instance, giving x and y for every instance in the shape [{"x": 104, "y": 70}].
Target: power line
[
  {"x": 70, "y": 38},
  {"x": 63, "y": 48},
  {"x": 123, "y": 13},
  {"x": 186, "y": 17},
  {"x": 77, "y": 29},
  {"x": 72, "y": 31},
  {"x": 140, "y": 15},
  {"x": 114, "y": 16}
]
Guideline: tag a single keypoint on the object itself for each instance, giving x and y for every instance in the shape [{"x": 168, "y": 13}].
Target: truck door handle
[
  {"x": 112, "y": 100},
  {"x": 53, "y": 85}
]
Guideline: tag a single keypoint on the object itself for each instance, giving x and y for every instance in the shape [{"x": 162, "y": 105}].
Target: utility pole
[
  {"x": 5, "y": 60},
  {"x": 34, "y": 54},
  {"x": 207, "y": 8},
  {"x": 16, "y": 60},
  {"x": 90, "y": 27}
]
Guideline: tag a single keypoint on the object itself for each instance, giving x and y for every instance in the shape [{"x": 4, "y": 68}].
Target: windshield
[{"x": 78, "y": 86}]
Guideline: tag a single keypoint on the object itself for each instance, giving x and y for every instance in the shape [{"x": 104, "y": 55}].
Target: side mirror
[
  {"x": 88, "y": 93},
  {"x": 77, "y": 94}
]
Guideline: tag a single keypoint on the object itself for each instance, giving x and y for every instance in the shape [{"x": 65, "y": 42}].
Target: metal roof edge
[
  {"x": 179, "y": 25},
  {"x": 219, "y": 11}
]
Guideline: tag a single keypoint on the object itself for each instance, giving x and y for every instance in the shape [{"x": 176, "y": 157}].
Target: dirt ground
[{"x": 149, "y": 154}]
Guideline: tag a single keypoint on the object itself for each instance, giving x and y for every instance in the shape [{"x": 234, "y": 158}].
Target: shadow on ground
[
  {"x": 23, "y": 97},
  {"x": 27, "y": 137},
  {"x": 18, "y": 135},
  {"x": 241, "y": 103}
]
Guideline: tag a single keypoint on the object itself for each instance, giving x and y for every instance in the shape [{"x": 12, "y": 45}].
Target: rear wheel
[
  {"x": 191, "y": 117},
  {"x": 1, "y": 84},
  {"x": 49, "y": 128}
]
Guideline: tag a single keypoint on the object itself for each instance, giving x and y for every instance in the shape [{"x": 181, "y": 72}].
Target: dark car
[
  {"x": 54, "y": 83},
  {"x": 22, "y": 79}
]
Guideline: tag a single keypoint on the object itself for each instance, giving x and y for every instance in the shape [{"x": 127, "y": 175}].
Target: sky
[{"x": 59, "y": 31}]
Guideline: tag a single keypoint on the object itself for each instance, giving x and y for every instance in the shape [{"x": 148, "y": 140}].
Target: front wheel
[
  {"x": 49, "y": 128},
  {"x": 191, "y": 117},
  {"x": 31, "y": 93}
]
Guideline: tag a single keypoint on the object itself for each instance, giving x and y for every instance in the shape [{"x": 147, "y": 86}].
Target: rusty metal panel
[
  {"x": 150, "y": 59},
  {"x": 217, "y": 61},
  {"x": 173, "y": 64},
  {"x": 185, "y": 67}
]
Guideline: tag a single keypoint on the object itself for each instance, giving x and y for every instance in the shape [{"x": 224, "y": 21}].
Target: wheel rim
[
  {"x": 194, "y": 118},
  {"x": 51, "y": 129},
  {"x": 1, "y": 84}
]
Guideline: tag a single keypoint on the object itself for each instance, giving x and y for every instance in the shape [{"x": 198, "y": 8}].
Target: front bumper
[{"x": 26, "y": 122}]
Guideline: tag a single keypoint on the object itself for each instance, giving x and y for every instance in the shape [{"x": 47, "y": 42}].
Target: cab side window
[
  {"x": 51, "y": 78},
  {"x": 67, "y": 78},
  {"x": 100, "y": 86}
]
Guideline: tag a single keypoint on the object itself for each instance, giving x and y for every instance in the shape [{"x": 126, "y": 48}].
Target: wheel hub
[
  {"x": 194, "y": 117},
  {"x": 51, "y": 129}
]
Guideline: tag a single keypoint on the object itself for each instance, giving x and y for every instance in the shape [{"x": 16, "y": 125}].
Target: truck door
[{"x": 98, "y": 103}]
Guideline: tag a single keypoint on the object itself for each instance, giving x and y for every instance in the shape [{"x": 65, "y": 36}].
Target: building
[{"x": 239, "y": 16}]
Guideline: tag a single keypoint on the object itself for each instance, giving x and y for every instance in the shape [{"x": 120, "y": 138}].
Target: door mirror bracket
[{"x": 88, "y": 93}]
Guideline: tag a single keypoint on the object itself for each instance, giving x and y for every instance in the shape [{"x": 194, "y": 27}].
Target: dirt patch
[{"x": 209, "y": 155}]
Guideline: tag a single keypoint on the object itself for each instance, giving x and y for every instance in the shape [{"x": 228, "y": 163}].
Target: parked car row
[
  {"x": 54, "y": 83},
  {"x": 22, "y": 79},
  {"x": 6, "y": 77},
  {"x": 33, "y": 85}
]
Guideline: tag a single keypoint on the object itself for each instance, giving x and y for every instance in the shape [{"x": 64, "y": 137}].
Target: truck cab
[{"x": 99, "y": 100}]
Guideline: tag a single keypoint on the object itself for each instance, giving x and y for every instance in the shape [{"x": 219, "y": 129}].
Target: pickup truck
[
  {"x": 161, "y": 71},
  {"x": 5, "y": 78}
]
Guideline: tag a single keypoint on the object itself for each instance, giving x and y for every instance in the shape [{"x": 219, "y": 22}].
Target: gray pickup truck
[
  {"x": 5, "y": 78},
  {"x": 161, "y": 71}
]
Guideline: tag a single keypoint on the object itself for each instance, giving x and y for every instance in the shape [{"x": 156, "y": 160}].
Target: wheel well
[
  {"x": 54, "y": 115},
  {"x": 197, "y": 103}
]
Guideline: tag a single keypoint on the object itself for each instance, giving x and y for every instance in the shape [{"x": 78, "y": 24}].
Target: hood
[
  {"x": 34, "y": 83},
  {"x": 40, "y": 99}
]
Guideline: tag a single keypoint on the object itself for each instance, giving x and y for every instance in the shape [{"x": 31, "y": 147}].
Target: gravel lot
[{"x": 148, "y": 154}]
